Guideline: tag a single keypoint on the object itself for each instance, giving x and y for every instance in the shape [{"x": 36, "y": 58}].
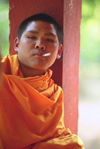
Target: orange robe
[{"x": 31, "y": 111}]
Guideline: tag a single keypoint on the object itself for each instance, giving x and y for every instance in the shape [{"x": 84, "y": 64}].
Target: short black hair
[{"x": 41, "y": 17}]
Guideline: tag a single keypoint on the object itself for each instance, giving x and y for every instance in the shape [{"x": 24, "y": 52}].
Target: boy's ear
[
  {"x": 16, "y": 44},
  {"x": 59, "y": 52}
]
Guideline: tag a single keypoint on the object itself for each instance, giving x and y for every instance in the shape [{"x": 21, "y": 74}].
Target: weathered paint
[
  {"x": 68, "y": 14},
  {"x": 71, "y": 26}
]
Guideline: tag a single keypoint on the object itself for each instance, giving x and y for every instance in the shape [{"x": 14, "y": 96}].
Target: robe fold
[{"x": 31, "y": 111}]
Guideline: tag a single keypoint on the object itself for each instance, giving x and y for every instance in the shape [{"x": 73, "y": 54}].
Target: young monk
[{"x": 31, "y": 105}]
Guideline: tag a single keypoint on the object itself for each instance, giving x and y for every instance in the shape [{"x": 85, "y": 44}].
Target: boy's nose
[{"x": 40, "y": 47}]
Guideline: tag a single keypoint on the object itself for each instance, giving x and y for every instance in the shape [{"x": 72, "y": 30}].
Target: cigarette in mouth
[{"x": 47, "y": 54}]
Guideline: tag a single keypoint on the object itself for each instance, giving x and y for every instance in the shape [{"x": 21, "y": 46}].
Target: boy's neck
[{"x": 29, "y": 72}]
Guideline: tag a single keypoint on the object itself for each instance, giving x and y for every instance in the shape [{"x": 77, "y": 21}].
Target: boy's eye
[
  {"x": 31, "y": 37},
  {"x": 51, "y": 40}
]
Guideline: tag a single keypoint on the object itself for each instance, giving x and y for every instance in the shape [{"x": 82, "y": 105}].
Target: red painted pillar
[
  {"x": 68, "y": 14},
  {"x": 71, "y": 26}
]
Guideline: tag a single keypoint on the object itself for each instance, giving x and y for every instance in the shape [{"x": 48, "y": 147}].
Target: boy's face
[{"x": 38, "y": 38}]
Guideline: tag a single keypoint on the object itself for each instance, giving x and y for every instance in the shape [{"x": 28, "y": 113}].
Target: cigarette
[{"x": 47, "y": 54}]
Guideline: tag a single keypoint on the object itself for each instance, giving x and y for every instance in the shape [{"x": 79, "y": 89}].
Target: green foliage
[
  {"x": 4, "y": 27},
  {"x": 90, "y": 31},
  {"x": 89, "y": 72}
]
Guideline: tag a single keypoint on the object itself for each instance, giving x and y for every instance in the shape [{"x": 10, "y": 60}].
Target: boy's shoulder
[
  {"x": 10, "y": 62},
  {"x": 8, "y": 58}
]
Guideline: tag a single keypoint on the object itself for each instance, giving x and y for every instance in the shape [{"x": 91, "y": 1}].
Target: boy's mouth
[{"x": 42, "y": 55}]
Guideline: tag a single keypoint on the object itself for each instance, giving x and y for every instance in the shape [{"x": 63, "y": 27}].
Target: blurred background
[
  {"x": 89, "y": 69},
  {"x": 4, "y": 26},
  {"x": 89, "y": 75}
]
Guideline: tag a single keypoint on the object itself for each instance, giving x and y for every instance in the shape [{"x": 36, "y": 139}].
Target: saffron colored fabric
[{"x": 31, "y": 111}]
